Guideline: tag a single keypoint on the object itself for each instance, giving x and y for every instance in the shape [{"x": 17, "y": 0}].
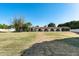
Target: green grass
[
  {"x": 59, "y": 35},
  {"x": 11, "y": 44},
  {"x": 14, "y": 43}
]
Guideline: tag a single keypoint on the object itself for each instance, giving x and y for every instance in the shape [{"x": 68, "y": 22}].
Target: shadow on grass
[{"x": 62, "y": 47}]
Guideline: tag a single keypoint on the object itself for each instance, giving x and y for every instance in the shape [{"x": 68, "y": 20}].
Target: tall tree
[{"x": 18, "y": 24}]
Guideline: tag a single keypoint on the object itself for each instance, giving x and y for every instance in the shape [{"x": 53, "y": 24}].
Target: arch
[
  {"x": 31, "y": 29},
  {"x": 52, "y": 29},
  {"x": 46, "y": 30},
  {"x": 57, "y": 29},
  {"x": 65, "y": 29},
  {"x": 39, "y": 30}
]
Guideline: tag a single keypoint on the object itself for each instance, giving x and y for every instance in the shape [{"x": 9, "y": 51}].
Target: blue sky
[{"x": 39, "y": 13}]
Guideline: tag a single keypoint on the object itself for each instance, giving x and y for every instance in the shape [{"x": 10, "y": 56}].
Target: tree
[
  {"x": 3, "y": 26},
  {"x": 37, "y": 26},
  {"x": 71, "y": 24},
  {"x": 51, "y": 25},
  {"x": 18, "y": 24},
  {"x": 27, "y": 26},
  {"x": 10, "y": 26}
]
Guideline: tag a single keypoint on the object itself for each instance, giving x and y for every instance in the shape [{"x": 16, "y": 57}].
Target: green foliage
[
  {"x": 20, "y": 25},
  {"x": 26, "y": 27},
  {"x": 71, "y": 24},
  {"x": 51, "y": 25},
  {"x": 10, "y": 26},
  {"x": 37, "y": 26},
  {"x": 29, "y": 24},
  {"x": 3, "y": 26}
]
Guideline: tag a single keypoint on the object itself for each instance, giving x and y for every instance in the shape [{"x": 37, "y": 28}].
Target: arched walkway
[
  {"x": 65, "y": 29},
  {"x": 57, "y": 29},
  {"x": 46, "y": 30},
  {"x": 39, "y": 30},
  {"x": 51, "y": 29}
]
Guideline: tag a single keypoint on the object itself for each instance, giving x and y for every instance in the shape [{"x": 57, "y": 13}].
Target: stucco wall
[{"x": 7, "y": 30}]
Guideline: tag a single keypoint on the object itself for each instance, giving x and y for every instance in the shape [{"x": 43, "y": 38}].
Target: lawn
[
  {"x": 61, "y": 35},
  {"x": 12, "y": 44}
]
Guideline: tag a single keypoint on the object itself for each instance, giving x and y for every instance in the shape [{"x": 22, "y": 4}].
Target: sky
[{"x": 39, "y": 13}]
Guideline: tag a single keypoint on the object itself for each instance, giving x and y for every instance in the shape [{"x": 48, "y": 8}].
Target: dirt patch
[{"x": 64, "y": 47}]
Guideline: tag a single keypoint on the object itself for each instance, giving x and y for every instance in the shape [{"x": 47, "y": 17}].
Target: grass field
[{"x": 12, "y": 44}]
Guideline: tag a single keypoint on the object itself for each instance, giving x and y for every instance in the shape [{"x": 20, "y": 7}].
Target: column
[
  {"x": 60, "y": 29},
  {"x": 43, "y": 30},
  {"x": 54, "y": 30},
  {"x": 30, "y": 29},
  {"x": 49, "y": 30},
  {"x": 33, "y": 30},
  {"x": 37, "y": 30}
]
